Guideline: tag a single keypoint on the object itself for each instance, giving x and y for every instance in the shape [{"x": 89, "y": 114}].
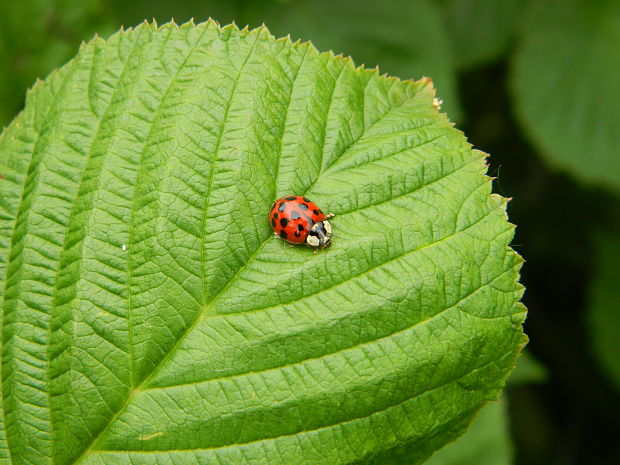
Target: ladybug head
[{"x": 320, "y": 235}]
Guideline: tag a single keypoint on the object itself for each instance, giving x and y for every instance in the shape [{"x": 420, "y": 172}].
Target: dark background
[{"x": 484, "y": 57}]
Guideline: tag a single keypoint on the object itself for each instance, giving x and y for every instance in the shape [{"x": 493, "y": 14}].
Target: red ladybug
[{"x": 297, "y": 219}]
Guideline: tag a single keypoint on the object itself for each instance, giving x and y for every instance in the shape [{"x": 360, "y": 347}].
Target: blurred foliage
[
  {"x": 480, "y": 30},
  {"x": 569, "y": 100},
  {"x": 604, "y": 305},
  {"x": 55, "y": 29},
  {"x": 528, "y": 370},
  {"x": 552, "y": 64}
]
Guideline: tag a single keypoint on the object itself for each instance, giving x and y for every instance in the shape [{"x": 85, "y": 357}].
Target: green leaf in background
[
  {"x": 479, "y": 30},
  {"x": 565, "y": 82},
  {"x": 487, "y": 442},
  {"x": 604, "y": 305},
  {"x": 54, "y": 29},
  {"x": 136, "y": 11},
  {"x": 405, "y": 39},
  {"x": 528, "y": 370},
  {"x": 151, "y": 317}
]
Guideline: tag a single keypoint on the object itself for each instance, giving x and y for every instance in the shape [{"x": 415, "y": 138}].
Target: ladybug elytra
[{"x": 297, "y": 219}]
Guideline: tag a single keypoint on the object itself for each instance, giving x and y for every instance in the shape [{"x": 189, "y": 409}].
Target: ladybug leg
[
  {"x": 291, "y": 246},
  {"x": 329, "y": 216},
  {"x": 315, "y": 251}
]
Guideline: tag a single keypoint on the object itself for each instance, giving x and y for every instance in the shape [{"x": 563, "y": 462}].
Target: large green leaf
[
  {"x": 565, "y": 81},
  {"x": 150, "y": 316},
  {"x": 604, "y": 305}
]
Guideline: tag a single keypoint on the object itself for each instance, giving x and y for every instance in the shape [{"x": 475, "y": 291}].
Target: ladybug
[{"x": 297, "y": 219}]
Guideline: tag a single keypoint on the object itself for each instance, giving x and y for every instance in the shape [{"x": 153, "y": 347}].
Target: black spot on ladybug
[
  {"x": 306, "y": 199},
  {"x": 292, "y": 197},
  {"x": 273, "y": 223},
  {"x": 275, "y": 216},
  {"x": 303, "y": 206},
  {"x": 297, "y": 234},
  {"x": 300, "y": 227},
  {"x": 283, "y": 222},
  {"x": 295, "y": 215},
  {"x": 281, "y": 207},
  {"x": 283, "y": 234},
  {"x": 315, "y": 211}
]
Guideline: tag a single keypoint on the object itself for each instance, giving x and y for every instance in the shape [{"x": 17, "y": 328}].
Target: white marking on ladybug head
[
  {"x": 328, "y": 227},
  {"x": 312, "y": 241}
]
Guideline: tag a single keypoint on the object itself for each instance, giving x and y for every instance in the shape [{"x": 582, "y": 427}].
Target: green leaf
[
  {"x": 162, "y": 11},
  {"x": 487, "y": 442},
  {"x": 149, "y": 314},
  {"x": 604, "y": 305},
  {"x": 479, "y": 30},
  {"x": 405, "y": 39},
  {"x": 528, "y": 370},
  {"x": 565, "y": 82}
]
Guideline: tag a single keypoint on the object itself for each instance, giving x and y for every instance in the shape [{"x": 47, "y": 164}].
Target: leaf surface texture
[{"x": 150, "y": 316}]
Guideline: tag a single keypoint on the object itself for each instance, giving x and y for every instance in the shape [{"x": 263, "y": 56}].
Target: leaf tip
[
  {"x": 189, "y": 24},
  {"x": 287, "y": 39},
  {"x": 96, "y": 38},
  {"x": 346, "y": 60},
  {"x": 428, "y": 82},
  {"x": 140, "y": 27}
]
